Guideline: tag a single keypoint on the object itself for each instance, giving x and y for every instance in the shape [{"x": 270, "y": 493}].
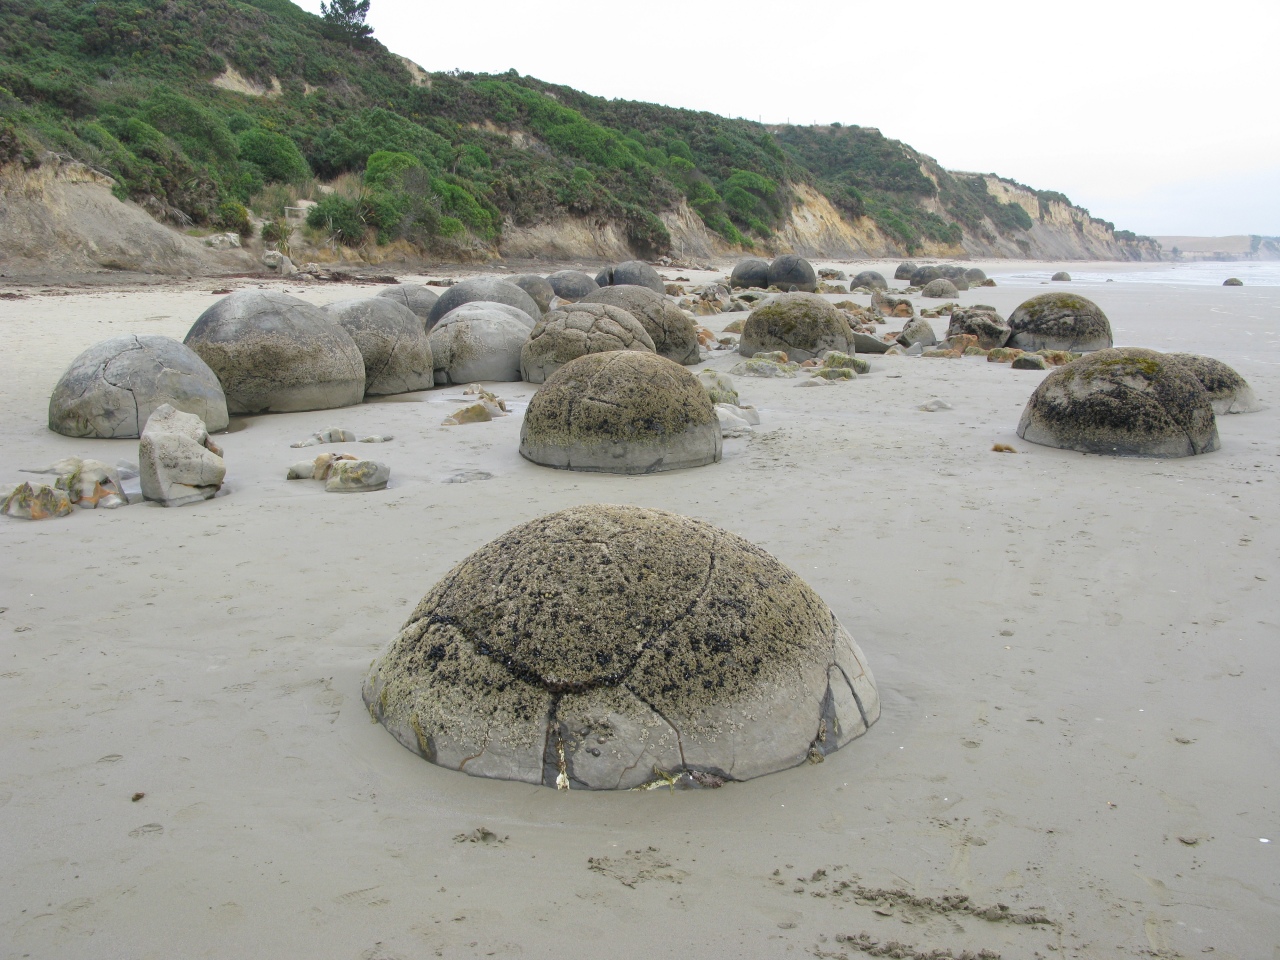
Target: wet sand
[{"x": 1076, "y": 655}]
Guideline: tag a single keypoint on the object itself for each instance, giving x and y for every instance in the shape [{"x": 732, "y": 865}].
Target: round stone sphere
[
  {"x": 537, "y": 288},
  {"x": 634, "y": 273},
  {"x": 1125, "y": 402},
  {"x": 1228, "y": 391},
  {"x": 477, "y": 342},
  {"x": 591, "y": 646},
  {"x": 572, "y": 285},
  {"x": 1061, "y": 276},
  {"x": 674, "y": 334},
  {"x": 790, "y": 271},
  {"x": 924, "y": 275},
  {"x": 274, "y": 353},
  {"x": 1233, "y": 282},
  {"x": 905, "y": 270},
  {"x": 621, "y": 412},
  {"x": 392, "y": 341},
  {"x": 871, "y": 279},
  {"x": 416, "y": 297},
  {"x": 975, "y": 275},
  {"x": 951, "y": 271},
  {"x": 940, "y": 289},
  {"x": 1059, "y": 321},
  {"x": 111, "y": 389},
  {"x": 575, "y": 330},
  {"x": 488, "y": 289},
  {"x": 801, "y": 324},
  {"x": 751, "y": 272}
]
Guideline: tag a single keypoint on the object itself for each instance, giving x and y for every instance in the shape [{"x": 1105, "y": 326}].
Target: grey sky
[{"x": 1157, "y": 116}]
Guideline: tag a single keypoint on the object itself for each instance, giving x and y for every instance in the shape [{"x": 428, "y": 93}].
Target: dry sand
[{"x": 1077, "y": 657}]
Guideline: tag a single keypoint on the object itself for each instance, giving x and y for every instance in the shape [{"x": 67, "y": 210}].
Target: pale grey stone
[{"x": 177, "y": 461}]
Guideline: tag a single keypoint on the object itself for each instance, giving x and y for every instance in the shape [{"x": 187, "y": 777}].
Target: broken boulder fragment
[{"x": 177, "y": 461}]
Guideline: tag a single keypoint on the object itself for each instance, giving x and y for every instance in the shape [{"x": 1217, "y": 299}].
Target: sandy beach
[{"x": 1077, "y": 658}]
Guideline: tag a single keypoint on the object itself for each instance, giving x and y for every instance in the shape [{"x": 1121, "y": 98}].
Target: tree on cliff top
[{"x": 345, "y": 19}]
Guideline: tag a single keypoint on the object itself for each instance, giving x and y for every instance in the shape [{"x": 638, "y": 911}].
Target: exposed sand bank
[{"x": 1076, "y": 655}]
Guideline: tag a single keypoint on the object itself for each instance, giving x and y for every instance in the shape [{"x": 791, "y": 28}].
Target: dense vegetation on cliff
[{"x": 439, "y": 159}]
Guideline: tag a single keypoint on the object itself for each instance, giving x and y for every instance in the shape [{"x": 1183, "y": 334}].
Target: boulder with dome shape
[
  {"x": 415, "y": 296},
  {"x": 674, "y": 334},
  {"x": 1228, "y": 391},
  {"x": 478, "y": 341},
  {"x": 390, "y": 338},
  {"x": 1059, "y": 321},
  {"x": 871, "y": 279},
  {"x": 905, "y": 270},
  {"x": 1124, "y": 402},
  {"x": 621, "y": 412},
  {"x": 274, "y": 353},
  {"x": 109, "y": 390},
  {"x": 536, "y": 287},
  {"x": 790, "y": 271},
  {"x": 803, "y": 325},
  {"x": 609, "y": 647},
  {"x": 752, "y": 272},
  {"x": 572, "y": 285},
  {"x": 489, "y": 290},
  {"x": 631, "y": 273},
  {"x": 575, "y": 330}
]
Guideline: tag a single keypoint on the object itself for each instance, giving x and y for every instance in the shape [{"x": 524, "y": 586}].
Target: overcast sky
[{"x": 1161, "y": 117}]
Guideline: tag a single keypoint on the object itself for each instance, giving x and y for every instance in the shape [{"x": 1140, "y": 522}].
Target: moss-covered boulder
[
  {"x": 1127, "y": 402},
  {"x": 392, "y": 341},
  {"x": 622, "y": 412},
  {"x": 1029, "y": 361},
  {"x": 1059, "y": 321},
  {"x": 719, "y": 387},
  {"x": 111, "y": 389},
  {"x": 789, "y": 271},
  {"x": 416, "y": 297},
  {"x": 572, "y": 285},
  {"x": 274, "y": 353},
  {"x": 940, "y": 289},
  {"x": 751, "y": 272},
  {"x": 1233, "y": 282},
  {"x": 991, "y": 329},
  {"x": 802, "y": 324},
  {"x": 1061, "y": 277},
  {"x": 488, "y": 290},
  {"x": 536, "y": 287},
  {"x": 575, "y": 330},
  {"x": 975, "y": 275},
  {"x": 477, "y": 342},
  {"x": 674, "y": 334},
  {"x": 1228, "y": 391},
  {"x": 605, "y": 646},
  {"x": 836, "y": 360},
  {"x": 871, "y": 279},
  {"x": 905, "y": 270},
  {"x": 923, "y": 275}
]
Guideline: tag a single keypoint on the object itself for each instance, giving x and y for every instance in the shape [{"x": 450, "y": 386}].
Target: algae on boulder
[
  {"x": 1228, "y": 391},
  {"x": 940, "y": 289},
  {"x": 801, "y": 324},
  {"x": 575, "y": 330},
  {"x": 1059, "y": 321},
  {"x": 621, "y": 412},
  {"x": 674, "y": 334},
  {"x": 991, "y": 329},
  {"x": 594, "y": 646},
  {"x": 1126, "y": 402}
]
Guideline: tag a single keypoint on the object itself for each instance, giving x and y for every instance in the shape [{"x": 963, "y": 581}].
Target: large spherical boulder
[
  {"x": 591, "y": 647},
  {"x": 905, "y": 270},
  {"x": 572, "y": 285},
  {"x": 536, "y": 287},
  {"x": 751, "y": 272},
  {"x": 416, "y": 297},
  {"x": 111, "y": 389},
  {"x": 871, "y": 279},
  {"x": 623, "y": 412},
  {"x": 1127, "y": 402},
  {"x": 488, "y": 290},
  {"x": 921, "y": 276},
  {"x": 802, "y": 324},
  {"x": 1228, "y": 391},
  {"x": 575, "y": 330},
  {"x": 632, "y": 273},
  {"x": 674, "y": 334},
  {"x": 274, "y": 353},
  {"x": 940, "y": 289},
  {"x": 392, "y": 341},
  {"x": 975, "y": 275},
  {"x": 790, "y": 271},
  {"x": 991, "y": 329},
  {"x": 1060, "y": 321},
  {"x": 951, "y": 271},
  {"x": 1061, "y": 276},
  {"x": 478, "y": 341}
]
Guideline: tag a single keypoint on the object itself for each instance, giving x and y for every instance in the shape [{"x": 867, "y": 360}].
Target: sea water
[{"x": 1254, "y": 273}]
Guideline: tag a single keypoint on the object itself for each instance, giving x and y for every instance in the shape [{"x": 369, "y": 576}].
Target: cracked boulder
[
  {"x": 177, "y": 461},
  {"x": 487, "y": 290},
  {"x": 575, "y": 330},
  {"x": 991, "y": 329},
  {"x": 479, "y": 341},
  {"x": 392, "y": 341},
  {"x": 1124, "y": 402},
  {"x": 624, "y": 412},
  {"x": 111, "y": 389},
  {"x": 572, "y": 285},
  {"x": 274, "y": 353},
  {"x": 415, "y": 296},
  {"x": 604, "y": 647},
  {"x": 632, "y": 273},
  {"x": 1059, "y": 321},
  {"x": 791, "y": 273},
  {"x": 674, "y": 334},
  {"x": 801, "y": 324}
]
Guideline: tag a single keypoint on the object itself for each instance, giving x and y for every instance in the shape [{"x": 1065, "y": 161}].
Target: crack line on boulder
[
  {"x": 856, "y": 699},
  {"x": 674, "y": 728}
]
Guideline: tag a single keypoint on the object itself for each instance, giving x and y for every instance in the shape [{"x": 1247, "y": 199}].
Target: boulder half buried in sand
[
  {"x": 575, "y": 330},
  {"x": 751, "y": 272},
  {"x": 789, "y": 271},
  {"x": 801, "y": 324},
  {"x": 1059, "y": 321},
  {"x": 392, "y": 342},
  {"x": 109, "y": 390},
  {"x": 621, "y": 412},
  {"x": 488, "y": 290},
  {"x": 604, "y": 647},
  {"x": 478, "y": 341},
  {"x": 673, "y": 333},
  {"x": 1228, "y": 391},
  {"x": 417, "y": 298},
  {"x": 1125, "y": 402}
]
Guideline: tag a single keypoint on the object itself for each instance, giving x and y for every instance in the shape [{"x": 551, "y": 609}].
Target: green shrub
[
  {"x": 274, "y": 154},
  {"x": 385, "y": 169},
  {"x": 339, "y": 217},
  {"x": 233, "y": 216}
]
